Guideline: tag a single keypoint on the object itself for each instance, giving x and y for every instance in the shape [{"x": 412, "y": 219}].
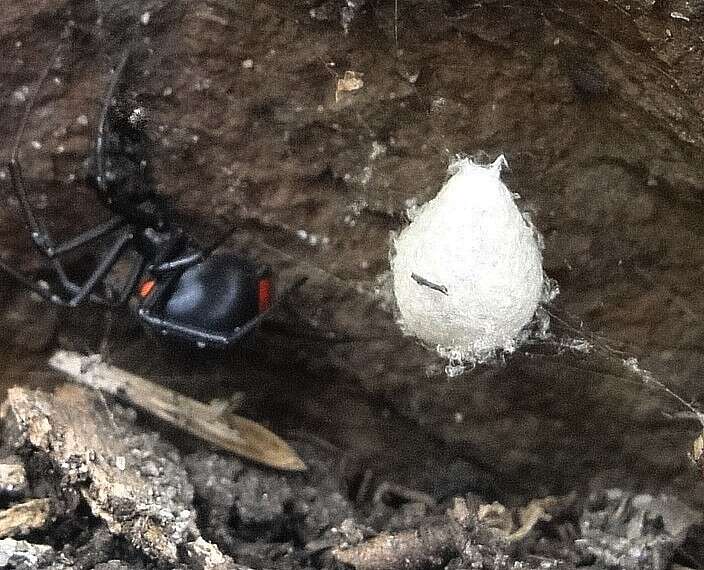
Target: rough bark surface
[{"x": 597, "y": 107}]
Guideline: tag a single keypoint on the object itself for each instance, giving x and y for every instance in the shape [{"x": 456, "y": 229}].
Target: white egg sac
[{"x": 467, "y": 271}]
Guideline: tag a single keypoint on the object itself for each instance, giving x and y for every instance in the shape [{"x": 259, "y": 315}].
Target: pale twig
[{"x": 230, "y": 432}]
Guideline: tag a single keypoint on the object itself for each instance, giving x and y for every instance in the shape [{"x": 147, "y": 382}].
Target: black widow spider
[{"x": 181, "y": 290}]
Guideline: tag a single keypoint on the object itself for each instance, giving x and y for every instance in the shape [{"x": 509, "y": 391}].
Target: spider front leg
[
  {"x": 32, "y": 285},
  {"x": 191, "y": 258},
  {"x": 73, "y": 293}
]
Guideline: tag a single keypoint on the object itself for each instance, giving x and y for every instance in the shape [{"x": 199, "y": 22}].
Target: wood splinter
[
  {"x": 227, "y": 431},
  {"x": 28, "y": 516}
]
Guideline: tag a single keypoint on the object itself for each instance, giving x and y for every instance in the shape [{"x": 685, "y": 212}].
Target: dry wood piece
[
  {"x": 204, "y": 555},
  {"x": 426, "y": 547},
  {"x": 435, "y": 544},
  {"x": 230, "y": 432},
  {"x": 97, "y": 455},
  {"x": 129, "y": 479},
  {"x": 27, "y": 516}
]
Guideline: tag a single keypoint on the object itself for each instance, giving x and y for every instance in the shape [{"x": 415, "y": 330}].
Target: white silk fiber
[{"x": 468, "y": 270}]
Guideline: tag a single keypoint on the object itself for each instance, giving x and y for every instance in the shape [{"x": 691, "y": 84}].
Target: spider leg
[
  {"x": 45, "y": 244},
  {"x": 40, "y": 235},
  {"x": 102, "y": 122},
  {"x": 32, "y": 285},
  {"x": 250, "y": 325},
  {"x": 104, "y": 266},
  {"x": 183, "y": 263},
  {"x": 88, "y": 236},
  {"x": 181, "y": 331},
  {"x": 190, "y": 259},
  {"x": 218, "y": 242},
  {"x": 42, "y": 240},
  {"x": 15, "y": 168},
  {"x": 74, "y": 294}
]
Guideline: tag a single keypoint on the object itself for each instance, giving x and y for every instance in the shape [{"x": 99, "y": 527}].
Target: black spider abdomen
[{"x": 218, "y": 294}]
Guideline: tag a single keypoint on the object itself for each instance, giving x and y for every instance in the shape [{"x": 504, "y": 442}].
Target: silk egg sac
[{"x": 467, "y": 271}]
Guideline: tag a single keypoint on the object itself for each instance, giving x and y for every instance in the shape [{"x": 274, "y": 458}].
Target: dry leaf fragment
[
  {"x": 501, "y": 520},
  {"x": 350, "y": 81}
]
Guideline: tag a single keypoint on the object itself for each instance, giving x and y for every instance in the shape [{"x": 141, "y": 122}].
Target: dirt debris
[
  {"x": 113, "y": 565},
  {"x": 131, "y": 481},
  {"x": 516, "y": 526},
  {"x": 434, "y": 544},
  {"x": 252, "y": 512},
  {"x": 25, "y": 555},
  {"x": 106, "y": 494},
  {"x": 634, "y": 532},
  {"x": 203, "y": 555}
]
